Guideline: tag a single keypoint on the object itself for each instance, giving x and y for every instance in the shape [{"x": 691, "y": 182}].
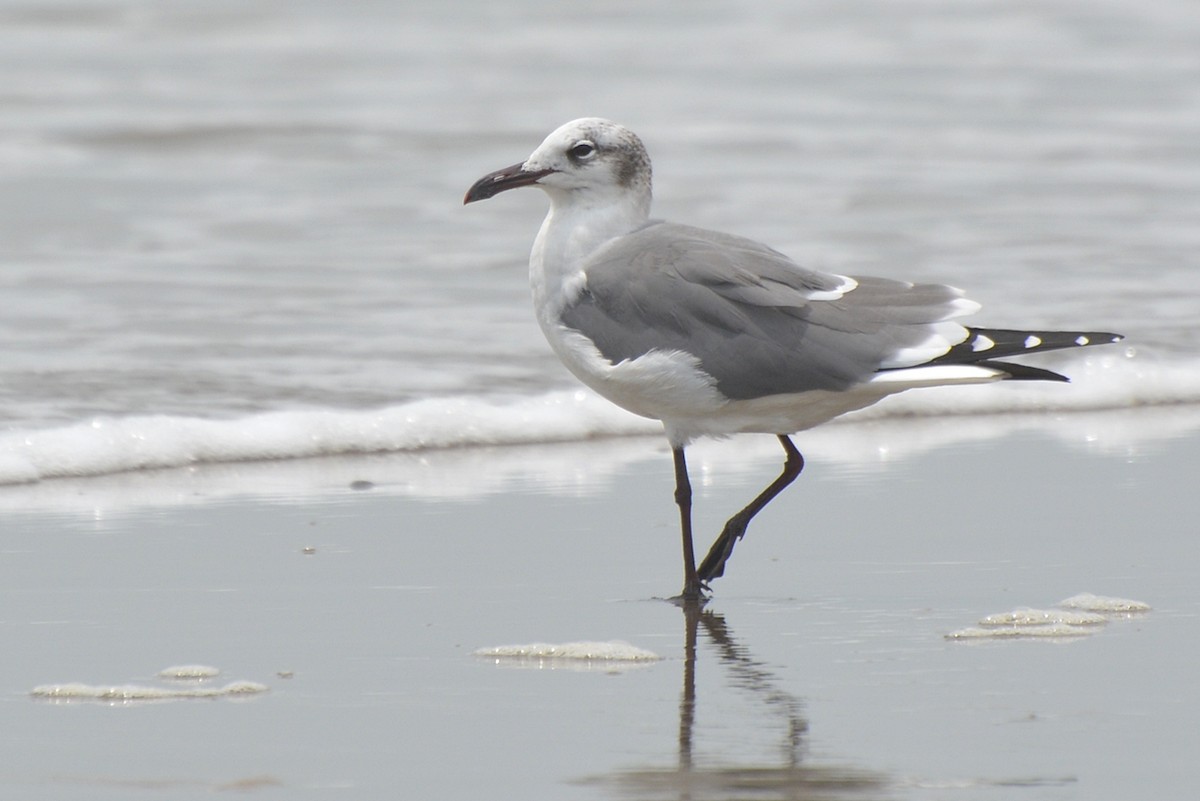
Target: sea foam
[
  {"x": 581, "y": 655},
  {"x": 183, "y": 682},
  {"x": 1078, "y": 616},
  {"x": 105, "y": 445},
  {"x": 116, "y": 444}
]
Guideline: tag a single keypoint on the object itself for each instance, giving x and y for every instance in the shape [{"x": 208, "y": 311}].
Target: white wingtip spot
[
  {"x": 848, "y": 285},
  {"x": 961, "y": 307},
  {"x": 1082, "y": 340},
  {"x": 1032, "y": 342},
  {"x": 982, "y": 343}
]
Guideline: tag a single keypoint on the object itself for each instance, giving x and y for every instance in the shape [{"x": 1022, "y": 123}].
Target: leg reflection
[
  {"x": 692, "y": 612},
  {"x": 781, "y": 773},
  {"x": 745, "y": 673},
  {"x": 753, "y": 676}
]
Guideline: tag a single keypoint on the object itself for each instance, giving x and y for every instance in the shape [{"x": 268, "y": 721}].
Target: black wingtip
[
  {"x": 1101, "y": 338},
  {"x": 1023, "y": 372},
  {"x": 992, "y": 344}
]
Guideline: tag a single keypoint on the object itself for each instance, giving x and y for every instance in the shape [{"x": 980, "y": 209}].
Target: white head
[{"x": 589, "y": 160}]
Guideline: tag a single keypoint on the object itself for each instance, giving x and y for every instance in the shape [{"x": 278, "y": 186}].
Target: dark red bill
[{"x": 499, "y": 181}]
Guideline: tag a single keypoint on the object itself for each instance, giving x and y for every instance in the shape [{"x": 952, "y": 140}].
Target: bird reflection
[{"x": 785, "y": 777}]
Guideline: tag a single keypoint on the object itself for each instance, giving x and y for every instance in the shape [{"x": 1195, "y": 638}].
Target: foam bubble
[
  {"x": 189, "y": 672},
  {"x": 1050, "y": 631},
  {"x": 1101, "y": 603},
  {"x": 133, "y": 693},
  {"x": 1043, "y": 617},
  {"x": 583, "y": 651},
  {"x": 1079, "y": 616}
]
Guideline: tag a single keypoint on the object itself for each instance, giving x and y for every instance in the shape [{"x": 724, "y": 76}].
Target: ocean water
[{"x": 233, "y": 230}]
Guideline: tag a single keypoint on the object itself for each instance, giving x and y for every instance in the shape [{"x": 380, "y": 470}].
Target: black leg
[
  {"x": 713, "y": 565},
  {"x": 683, "y": 497}
]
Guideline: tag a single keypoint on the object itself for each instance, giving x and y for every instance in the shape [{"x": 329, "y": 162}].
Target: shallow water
[{"x": 822, "y": 670}]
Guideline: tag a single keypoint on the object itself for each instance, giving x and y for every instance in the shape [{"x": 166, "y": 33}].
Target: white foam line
[
  {"x": 112, "y": 445},
  {"x": 1079, "y": 616},
  {"x": 1043, "y": 617},
  {"x": 109, "y": 445},
  {"x": 127, "y": 693},
  {"x": 1052, "y": 631},
  {"x": 1100, "y": 603},
  {"x": 189, "y": 672},
  {"x": 586, "y": 651}
]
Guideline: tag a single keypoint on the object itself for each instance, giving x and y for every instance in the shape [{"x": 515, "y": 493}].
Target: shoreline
[
  {"x": 364, "y": 608},
  {"x": 853, "y": 444}
]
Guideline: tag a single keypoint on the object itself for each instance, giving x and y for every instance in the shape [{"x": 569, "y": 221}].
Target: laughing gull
[{"x": 714, "y": 334}]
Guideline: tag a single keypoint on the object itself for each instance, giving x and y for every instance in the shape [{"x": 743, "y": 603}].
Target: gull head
[{"x": 590, "y": 160}]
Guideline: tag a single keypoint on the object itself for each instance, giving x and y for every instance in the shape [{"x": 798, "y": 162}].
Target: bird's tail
[{"x": 986, "y": 346}]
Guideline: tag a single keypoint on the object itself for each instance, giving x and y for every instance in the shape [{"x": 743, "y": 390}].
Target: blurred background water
[{"x": 248, "y": 207}]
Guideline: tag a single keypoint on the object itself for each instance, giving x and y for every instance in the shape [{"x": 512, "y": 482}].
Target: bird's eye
[{"x": 582, "y": 150}]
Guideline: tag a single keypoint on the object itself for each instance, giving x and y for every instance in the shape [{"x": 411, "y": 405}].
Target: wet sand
[{"x": 358, "y": 589}]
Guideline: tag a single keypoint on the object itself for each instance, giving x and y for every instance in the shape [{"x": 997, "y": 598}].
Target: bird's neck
[{"x": 573, "y": 230}]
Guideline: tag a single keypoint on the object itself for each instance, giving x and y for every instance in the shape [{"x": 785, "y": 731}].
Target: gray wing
[{"x": 759, "y": 323}]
